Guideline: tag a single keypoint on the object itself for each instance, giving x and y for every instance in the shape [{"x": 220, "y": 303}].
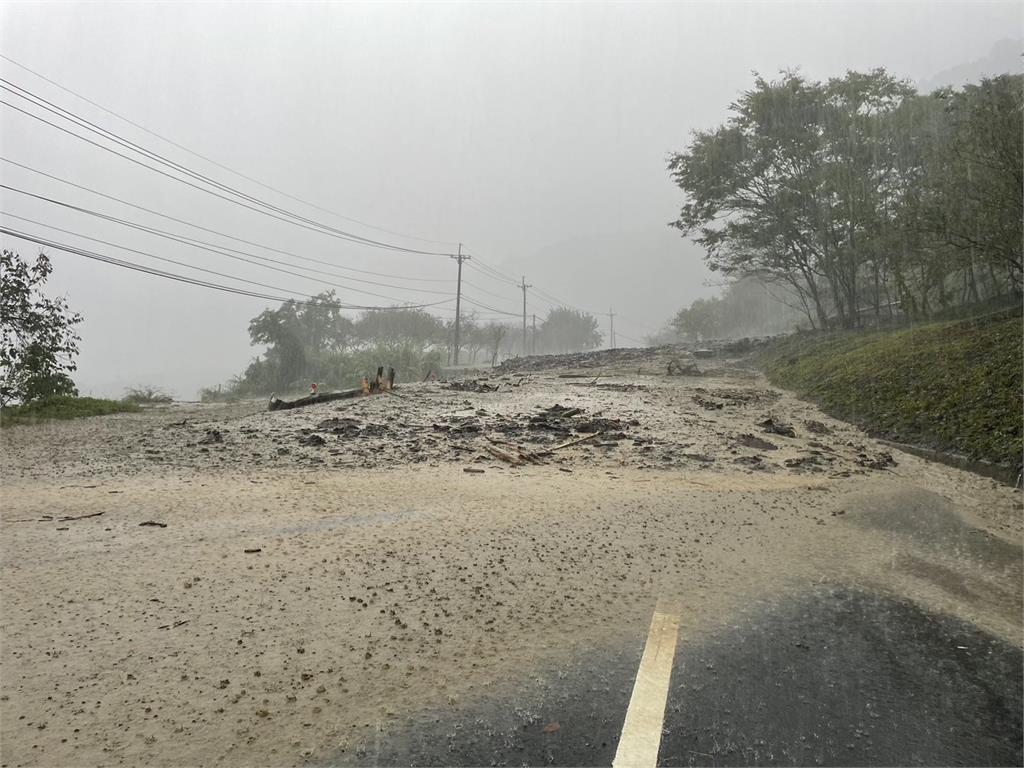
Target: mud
[{"x": 303, "y": 593}]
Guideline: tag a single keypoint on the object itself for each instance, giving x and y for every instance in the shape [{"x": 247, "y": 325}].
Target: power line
[
  {"x": 219, "y": 233},
  {"x": 495, "y": 274},
  {"x": 314, "y": 225},
  {"x": 288, "y": 217},
  {"x": 164, "y": 258},
  {"x": 212, "y": 248},
  {"x": 484, "y": 290},
  {"x": 109, "y": 135},
  {"x": 194, "y": 281},
  {"x": 214, "y": 162},
  {"x": 492, "y": 309}
]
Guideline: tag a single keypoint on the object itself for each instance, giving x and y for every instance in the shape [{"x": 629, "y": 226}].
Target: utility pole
[
  {"x": 611, "y": 320},
  {"x": 458, "y": 300},
  {"x": 524, "y": 286},
  {"x": 533, "y": 337}
]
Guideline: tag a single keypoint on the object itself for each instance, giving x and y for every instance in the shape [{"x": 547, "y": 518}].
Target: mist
[{"x": 535, "y": 136}]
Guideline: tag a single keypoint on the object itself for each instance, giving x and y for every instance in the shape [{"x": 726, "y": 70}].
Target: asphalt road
[{"x": 834, "y": 677}]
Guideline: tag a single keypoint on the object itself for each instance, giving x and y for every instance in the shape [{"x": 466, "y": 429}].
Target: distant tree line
[
  {"x": 861, "y": 196},
  {"x": 745, "y": 307},
  {"x": 314, "y": 341}
]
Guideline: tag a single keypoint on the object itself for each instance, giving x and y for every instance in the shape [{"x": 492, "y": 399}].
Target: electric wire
[
  {"x": 214, "y": 162},
  {"x": 288, "y": 217},
  {"x": 109, "y": 135},
  {"x": 212, "y": 250},
  {"x": 497, "y": 272},
  {"x": 194, "y": 281},
  {"x": 222, "y": 234},
  {"x": 163, "y": 258},
  {"x": 221, "y": 250},
  {"x": 497, "y": 311}
]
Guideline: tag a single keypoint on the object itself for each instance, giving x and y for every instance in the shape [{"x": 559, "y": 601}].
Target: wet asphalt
[{"x": 832, "y": 677}]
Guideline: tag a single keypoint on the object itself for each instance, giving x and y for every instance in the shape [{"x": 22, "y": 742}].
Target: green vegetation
[
  {"x": 146, "y": 394},
  {"x": 62, "y": 407},
  {"x": 953, "y": 387},
  {"x": 38, "y": 340},
  {"x": 865, "y": 199},
  {"x": 313, "y": 341}
]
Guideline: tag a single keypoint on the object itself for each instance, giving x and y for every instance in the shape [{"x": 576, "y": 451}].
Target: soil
[{"x": 222, "y": 584}]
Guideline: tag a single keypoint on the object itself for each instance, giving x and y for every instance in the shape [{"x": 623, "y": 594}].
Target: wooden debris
[
  {"x": 577, "y": 441},
  {"x": 154, "y": 524},
  {"x": 172, "y": 626},
  {"x": 79, "y": 517},
  {"x": 515, "y": 461},
  {"x": 276, "y": 404}
]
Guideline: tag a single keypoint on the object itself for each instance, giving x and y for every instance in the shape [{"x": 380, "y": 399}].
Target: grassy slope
[
  {"x": 62, "y": 408},
  {"x": 950, "y": 386}
]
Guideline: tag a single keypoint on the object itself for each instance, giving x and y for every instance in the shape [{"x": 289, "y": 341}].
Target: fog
[{"x": 535, "y": 135}]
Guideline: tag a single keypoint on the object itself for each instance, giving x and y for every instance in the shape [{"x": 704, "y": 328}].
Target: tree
[
  {"x": 855, "y": 189},
  {"x": 745, "y": 307},
  {"x": 977, "y": 184},
  {"x": 300, "y": 337},
  {"x": 495, "y": 333},
  {"x": 752, "y": 185},
  {"x": 702, "y": 320},
  {"x": 568, "y": 330},
  {"x": 401, "y": 327},
  {"x": 39, "y": 342}
]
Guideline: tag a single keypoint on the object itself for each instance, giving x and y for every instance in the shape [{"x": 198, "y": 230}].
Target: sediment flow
[{"x": 222, "y": 584}]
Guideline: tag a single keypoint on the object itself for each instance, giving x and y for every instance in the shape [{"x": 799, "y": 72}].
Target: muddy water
[{"x": 389, "y": 582}]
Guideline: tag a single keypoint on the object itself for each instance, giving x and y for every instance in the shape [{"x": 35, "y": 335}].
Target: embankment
[{"x": 951, "y": 387}]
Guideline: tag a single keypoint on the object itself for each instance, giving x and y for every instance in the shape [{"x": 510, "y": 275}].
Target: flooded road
[{"x": 832, "y": 607}]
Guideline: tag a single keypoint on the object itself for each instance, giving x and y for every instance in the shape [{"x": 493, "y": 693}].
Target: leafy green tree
[
  {"x": 300, "y": 336},
  {"x": 568, "y": 330},
  {"x": 38, "y": 340},
  {"x": 751, "y": 188},
  {"x": 976, "y": 186},
  {"x": 400, "y": 327},
  {"x": 860, "y": 195},
  {"x": 701, "y": 320}
]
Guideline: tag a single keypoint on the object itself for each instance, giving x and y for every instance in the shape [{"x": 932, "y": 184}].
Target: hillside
[{"x": 953, "y": 387}]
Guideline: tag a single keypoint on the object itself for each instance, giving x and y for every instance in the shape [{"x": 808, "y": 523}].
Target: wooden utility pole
[
  {"x": 611, "y": 320},
  {"x": 533, "y": 337},
  {"x": 458, "y": 300},
  {"x": 524, "y": 286}
]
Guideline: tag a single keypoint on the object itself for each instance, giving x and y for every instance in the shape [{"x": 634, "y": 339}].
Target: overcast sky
[{"x": 535, "y": 134}]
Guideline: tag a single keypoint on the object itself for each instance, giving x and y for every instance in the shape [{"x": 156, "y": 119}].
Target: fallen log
[
  {"x": 515, "y": 461},
  {"x": 277, "y": 404}
]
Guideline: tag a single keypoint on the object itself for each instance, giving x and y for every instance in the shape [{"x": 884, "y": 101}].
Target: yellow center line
[{"x": 641, "y": 732}]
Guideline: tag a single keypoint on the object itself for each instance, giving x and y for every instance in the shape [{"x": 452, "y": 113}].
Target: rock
[
  {"x": 212, "y": 436},
  {"x": 776, "y": 428},
  {"x": 752, "y": 441},
  {"x": 817, "y": 427}
]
